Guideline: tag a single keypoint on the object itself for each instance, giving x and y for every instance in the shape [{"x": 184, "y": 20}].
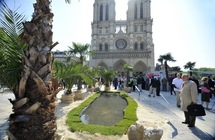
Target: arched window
[
  {"x": 100, "y": 47},
  {"x": 141, "y": 46},
  {"x": 141, "y": 28},
  {"x": 101, "y": 12},
  {"x": 100, "y": 30},
  {"x": 135, "y": 11},
  {"x": 106, "y": 28},
  {"x": 135, "y": 46},
  {"x": 106, "y": 47},
  {"x": 135, "y": 28},
  {"x": 141, "y": 10},
  {"x": 107, "y": 13}
]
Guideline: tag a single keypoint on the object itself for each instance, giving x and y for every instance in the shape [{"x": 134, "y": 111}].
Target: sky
[{"x": 184, "y": 28}]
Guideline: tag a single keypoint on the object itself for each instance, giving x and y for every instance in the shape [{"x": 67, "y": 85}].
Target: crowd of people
[
  {"x": 174, "y": 85},
  {"x": 186, "y": 89}
]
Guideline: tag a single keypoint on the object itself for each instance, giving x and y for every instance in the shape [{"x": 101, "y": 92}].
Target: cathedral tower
[{"x": 117, "y": 42}]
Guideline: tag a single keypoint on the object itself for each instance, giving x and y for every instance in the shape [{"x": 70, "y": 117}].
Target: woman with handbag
[
  {"x": 189, "y": 95},
  {"x": 206, "y": 91}
]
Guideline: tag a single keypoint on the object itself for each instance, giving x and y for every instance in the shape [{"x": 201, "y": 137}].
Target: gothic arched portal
[
  {"x": 139, "y": 67},
  {"x": 118, "y": 66},
  {"x": 103, "y": 65}
]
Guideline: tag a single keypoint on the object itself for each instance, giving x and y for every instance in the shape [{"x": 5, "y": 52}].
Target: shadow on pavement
[
  {"x": 175, "y": 132},
  {"x": 3, "y": 127},
  {"x": 200, "y": 134}
]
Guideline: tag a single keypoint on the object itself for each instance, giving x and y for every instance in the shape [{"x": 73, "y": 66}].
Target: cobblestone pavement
[{"x": 166, "y": 106}]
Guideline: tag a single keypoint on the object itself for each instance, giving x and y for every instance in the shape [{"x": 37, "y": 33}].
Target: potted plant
[
  {"x": 70, "y": 73},
  {"x": 127, "y": 68},
  {"x": 108, "y": 75}
]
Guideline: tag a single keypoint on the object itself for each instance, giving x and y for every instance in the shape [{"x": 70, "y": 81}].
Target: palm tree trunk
[
  {"x": 34, "y": 109},
  {"x": 191, "y": 72},
  {"x": 166, "y": 69}
]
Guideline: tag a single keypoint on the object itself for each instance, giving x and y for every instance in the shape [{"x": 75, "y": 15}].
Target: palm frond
[
  {"x": 68, "y": 1},
  {"x": 11, "y": 21},
  {"x": 71, "y": 72},
  {"x": 10, "y": 47}
]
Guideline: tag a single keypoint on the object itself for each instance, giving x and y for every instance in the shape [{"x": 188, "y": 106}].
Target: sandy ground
[{"x": 144, "y": 114}]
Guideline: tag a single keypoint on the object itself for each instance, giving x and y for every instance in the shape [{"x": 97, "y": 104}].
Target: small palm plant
[
  {"x": 71, "y": 72},
  {"x": 108, "y": 75},
  {"x": 127, "y": 68}
]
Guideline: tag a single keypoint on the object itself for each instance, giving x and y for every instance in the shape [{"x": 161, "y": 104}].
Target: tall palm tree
[
  {"x": 166, "y": 57},
  {"x": 68, "y": 1},
  {"x": 176, "y": 69},
  {"x": 160, "y": 60},
  {"x": 81, "y": 51},
  {"x": 33, "y": 114},
  {"x": 190, "y": 65}
]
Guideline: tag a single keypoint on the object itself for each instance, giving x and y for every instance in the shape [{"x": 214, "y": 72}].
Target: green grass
[{"x": 75, "y": 124}]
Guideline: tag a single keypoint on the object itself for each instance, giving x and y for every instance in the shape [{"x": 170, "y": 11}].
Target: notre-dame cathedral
[{"x": 119, "y": 42}]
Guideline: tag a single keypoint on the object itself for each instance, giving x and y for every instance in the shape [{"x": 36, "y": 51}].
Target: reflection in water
[{"x": 107, "y": 109}]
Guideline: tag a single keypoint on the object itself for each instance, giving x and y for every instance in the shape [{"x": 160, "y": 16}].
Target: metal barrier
[{"x": 138, "y": 91}]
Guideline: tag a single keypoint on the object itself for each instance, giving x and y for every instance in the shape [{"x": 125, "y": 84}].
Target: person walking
[
  {"x": 115, "y": 82},
  {"x": 139, "y": 82},
  {"x": 177, "y": 83},
  {"x": 171, "y": 86},
  {"x": 164, "y": 84},
  {"x": 158, "y": 84},
  {"x": 152, "y": 87},
  {"x": 205, "y": 90},
  {"x": 211, "y": 85},
  {"x": 189, "y": 95}
]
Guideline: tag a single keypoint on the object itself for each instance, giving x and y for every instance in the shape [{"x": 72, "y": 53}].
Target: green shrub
[{"x": 75, "y": 124}]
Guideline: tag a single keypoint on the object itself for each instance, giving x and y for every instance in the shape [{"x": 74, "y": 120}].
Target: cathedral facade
[{"x": 118, "y": 42}]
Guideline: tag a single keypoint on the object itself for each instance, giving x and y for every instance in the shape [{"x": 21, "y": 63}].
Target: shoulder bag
[{"x": 196, "y": 110}]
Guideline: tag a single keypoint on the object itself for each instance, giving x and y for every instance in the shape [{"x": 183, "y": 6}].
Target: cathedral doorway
[
  {"x": 139, "y": 67},
  {"x": 118, "y": 66}
]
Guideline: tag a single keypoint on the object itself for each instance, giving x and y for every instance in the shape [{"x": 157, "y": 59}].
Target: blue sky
[{"x": 185, "y": 28}]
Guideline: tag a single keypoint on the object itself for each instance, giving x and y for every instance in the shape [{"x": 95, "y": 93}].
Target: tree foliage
[
  {"x": 166, "y": 57},
  {"x": 11, "y": 47},
  {"x": 190, "y": 65},
  {"x": 71, "y": 72}
]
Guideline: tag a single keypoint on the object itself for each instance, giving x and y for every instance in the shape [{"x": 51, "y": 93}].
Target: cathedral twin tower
[{"x": 119, "y": 42}]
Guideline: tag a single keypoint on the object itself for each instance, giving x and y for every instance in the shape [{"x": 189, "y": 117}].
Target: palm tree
[
  {"x": 11, "y": 48},
  {"x": 108, "y": 75},
  {"x": 127, "y": 68},
  {"x": 81, "y": 51},
  {"x": 166, "y": 57},
  {"x": 68, "y": 1},
  {"x": 34, "y": 105},
  {"x": 71, "y": 72},
  {"x": 190, "y": 65},
  {"x": 160, "y": 60},
  {"x": 176, "y": 69}
]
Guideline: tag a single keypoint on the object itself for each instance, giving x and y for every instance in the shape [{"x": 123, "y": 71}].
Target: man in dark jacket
[
  {"x": 152, "y": 86},
  {"x": 158, "y": 84}
]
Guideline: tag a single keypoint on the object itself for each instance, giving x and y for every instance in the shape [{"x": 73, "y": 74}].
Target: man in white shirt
[{"x": 177, "y": 83}]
